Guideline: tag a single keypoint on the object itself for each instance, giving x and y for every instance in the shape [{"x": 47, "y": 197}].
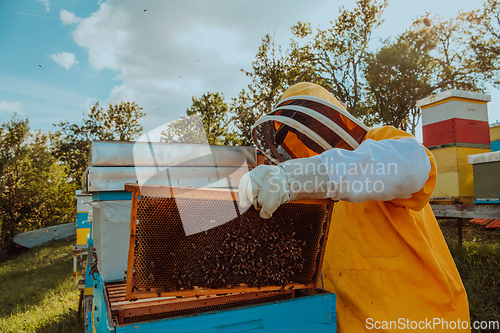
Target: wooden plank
[
  {"x": 481, "y": 221},
  {"x": 318, "y": 282},
  {"x": 133, "y": 310},
  {"x": 116, "y": 286},
  {"x": 199, "y": 292},
  {"x": 116, "y": 295},
  {"x": 167, "y": 191},
  {"x": 131, "y": 246},
  {"x": 466, "y": 211},
  {"x": 116, "y": 300},
  {"x": 494, "y": 224},
  {"x": 117, "y": 289}
]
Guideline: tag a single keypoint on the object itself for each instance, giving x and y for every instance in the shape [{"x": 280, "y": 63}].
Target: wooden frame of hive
[{"x": 200, "y": 296}]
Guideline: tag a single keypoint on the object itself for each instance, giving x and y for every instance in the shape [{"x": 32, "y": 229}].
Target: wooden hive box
[
  {"x": 197, "y": 250},
  {"x": 486, "y": 169}
]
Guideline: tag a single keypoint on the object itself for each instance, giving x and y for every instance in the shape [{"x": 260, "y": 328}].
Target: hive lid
[
  {"x": 103, "y": 179},
  {"x": 160, "y": 154},
  {"x": 187, "y": 242},
  {"x": 484, "y": 158},
  {"x": 453, "y": 93}
]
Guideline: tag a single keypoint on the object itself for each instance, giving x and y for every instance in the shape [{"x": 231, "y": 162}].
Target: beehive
[
  {"x": 486, "y": 177},
  {"x": 83, "y": 218},
  {"x": 454, "y": 125},
  {"x": 187, "y": 243},
  {"x": 495, "y": 136},
  {"x": 455, "y": 117},
  {"x": 455, "y": 174}
]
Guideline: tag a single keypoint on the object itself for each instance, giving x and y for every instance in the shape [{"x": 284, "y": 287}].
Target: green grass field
[{"x": 37, "y": 292}]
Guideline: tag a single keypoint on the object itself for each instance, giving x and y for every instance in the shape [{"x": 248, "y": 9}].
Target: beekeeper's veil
[{"x": 307, "y": 121}]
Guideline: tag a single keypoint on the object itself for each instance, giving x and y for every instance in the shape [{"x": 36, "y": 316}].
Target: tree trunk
[{"x": 4, "y": 235}]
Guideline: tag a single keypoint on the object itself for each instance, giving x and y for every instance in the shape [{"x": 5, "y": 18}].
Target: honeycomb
[{"x": 247, "y": 250}]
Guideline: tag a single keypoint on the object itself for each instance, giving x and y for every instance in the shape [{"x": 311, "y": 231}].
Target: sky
[{"x": 58, "y": 57}]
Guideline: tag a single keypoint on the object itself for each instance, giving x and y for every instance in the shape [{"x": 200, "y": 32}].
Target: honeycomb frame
[{"x": 164, "y": 262}]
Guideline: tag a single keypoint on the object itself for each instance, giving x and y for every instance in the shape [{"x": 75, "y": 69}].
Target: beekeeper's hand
[{"x": 267, "y": 187}]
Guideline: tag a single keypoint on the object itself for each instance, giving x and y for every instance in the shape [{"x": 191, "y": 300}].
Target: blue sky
[{"x": 58, "y": 57}]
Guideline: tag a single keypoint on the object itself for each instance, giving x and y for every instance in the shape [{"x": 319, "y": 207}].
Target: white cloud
[
  {"x": 65, "y": 59},
  {"x": 46, "y": 3},
  {"x": 176, "y": 50},
  {"x": 10, "y": 107},
  {"x": 68, "y": 18}
]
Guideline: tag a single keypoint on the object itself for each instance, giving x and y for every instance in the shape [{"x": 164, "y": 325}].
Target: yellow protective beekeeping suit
[
  {"x": 387, "y": 261},
  {"x": 389, "y": 264}
]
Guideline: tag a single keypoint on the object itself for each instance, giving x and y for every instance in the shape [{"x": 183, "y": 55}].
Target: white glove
[{"x": 267, "y": 187}]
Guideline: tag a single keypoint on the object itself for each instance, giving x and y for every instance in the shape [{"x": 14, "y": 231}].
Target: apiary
[
  {"x": 455, "y": 125},
  {"x": 194, "y": 251}
]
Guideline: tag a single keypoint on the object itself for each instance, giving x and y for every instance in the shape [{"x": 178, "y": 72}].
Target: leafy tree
[
  {"x": 455, "y": 67},
  {"x": 209, "y": 115},
  {"x": 398, "y": 75},
  {"x": 272, "y": 73},
  {"x": 336, "y": 56},
  {"x": 414, "y": 66},
  {"x": 117, "y": 122},
  {"x": 14, "y": 135},
  {"x": 34, "y": 189},
  {"x": 269, "y": 76},
  {"x": 483, "y": 30}
]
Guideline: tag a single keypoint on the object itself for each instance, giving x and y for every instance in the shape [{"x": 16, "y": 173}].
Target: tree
[
  {"x": 34, "y": 189},
  {"x": 483, "y": 30},
  {"x": 455, "y": 66},
  {"x": 272, "y": 73},
  {"x": 14, "y": 135},
  {"x": 72, "y": 143},
  {"x": 337, "y": 55},
  {"x": 445, "y": 57},
  {"x": 398, "y": 75},
  {"x": 209, "y": 115}
]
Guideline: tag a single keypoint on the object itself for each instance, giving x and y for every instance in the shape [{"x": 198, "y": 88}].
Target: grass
[
  {"x": 479, "y": 267},
  {"x": 37, "y": 292},
  {"x": 478, "y": 262}
]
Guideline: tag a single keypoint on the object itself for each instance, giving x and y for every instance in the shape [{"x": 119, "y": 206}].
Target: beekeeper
[{"x": 386, "y": 258}]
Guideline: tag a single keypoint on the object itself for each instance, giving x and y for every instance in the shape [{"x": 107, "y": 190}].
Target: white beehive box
[{"x": 111, "y": 232}]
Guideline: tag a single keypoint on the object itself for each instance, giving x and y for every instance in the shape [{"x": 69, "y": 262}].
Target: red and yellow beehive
[{"x": 455, "y": 125}]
